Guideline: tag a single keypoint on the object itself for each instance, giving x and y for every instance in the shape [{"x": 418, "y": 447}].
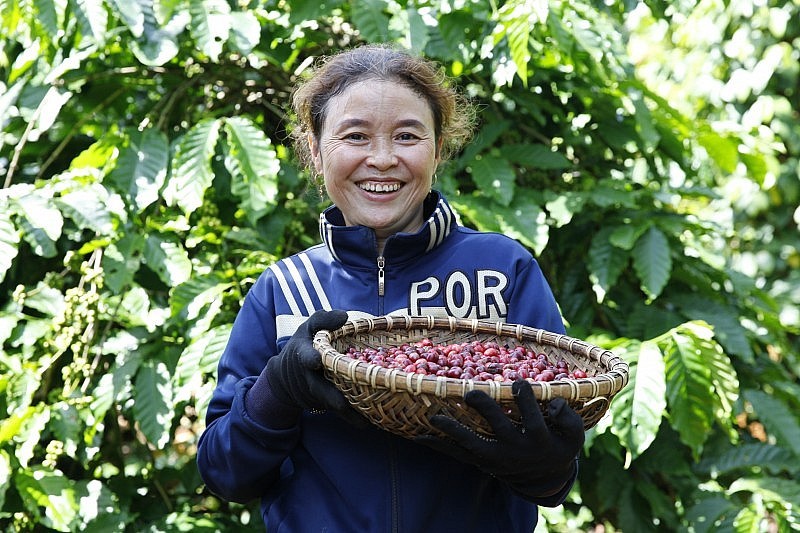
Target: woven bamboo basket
[{"x": 402, "y": 402}]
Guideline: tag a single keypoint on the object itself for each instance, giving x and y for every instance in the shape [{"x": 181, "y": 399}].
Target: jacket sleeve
[
  {"x": 238, "y": 457},
  {"x": 532, "y": 302}
]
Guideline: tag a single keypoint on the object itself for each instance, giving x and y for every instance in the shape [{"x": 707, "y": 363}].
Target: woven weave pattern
[{"x": 402, "y": 402}]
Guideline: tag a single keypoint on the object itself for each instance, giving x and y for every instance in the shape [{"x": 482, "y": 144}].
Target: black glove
[
  {"x": 295, "y": 375},
  {"x": 536, "y": 460}
]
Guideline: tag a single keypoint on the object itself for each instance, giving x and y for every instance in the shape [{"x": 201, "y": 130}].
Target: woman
[{"x": 374, "y": 123}]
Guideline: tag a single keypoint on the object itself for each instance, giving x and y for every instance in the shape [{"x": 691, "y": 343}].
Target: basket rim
[{"x": 605, "y": 384}]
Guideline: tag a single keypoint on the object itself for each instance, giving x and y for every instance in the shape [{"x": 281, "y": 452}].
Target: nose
[{"x": 382, "y": 154}]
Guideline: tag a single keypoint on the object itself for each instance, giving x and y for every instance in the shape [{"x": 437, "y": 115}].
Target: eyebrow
[{"x": 356, "y": 122}]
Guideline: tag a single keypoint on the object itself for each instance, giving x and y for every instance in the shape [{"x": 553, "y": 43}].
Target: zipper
[
  {"x": 395, "y": 489},
  {"x": 381, "y": 276}
]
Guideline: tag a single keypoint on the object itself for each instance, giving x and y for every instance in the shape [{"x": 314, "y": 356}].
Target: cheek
[{"x": 338, "y": 159}]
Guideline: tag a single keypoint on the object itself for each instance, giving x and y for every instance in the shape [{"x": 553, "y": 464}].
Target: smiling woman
[
  {"x": 377, "y": 153},
  {"x": 373, "y": 124}
]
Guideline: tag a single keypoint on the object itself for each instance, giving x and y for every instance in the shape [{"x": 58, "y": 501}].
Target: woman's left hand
[{"x": 537, "y": 459}]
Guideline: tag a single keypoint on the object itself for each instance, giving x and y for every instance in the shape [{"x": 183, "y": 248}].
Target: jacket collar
[{"x": 357, "y": 245}]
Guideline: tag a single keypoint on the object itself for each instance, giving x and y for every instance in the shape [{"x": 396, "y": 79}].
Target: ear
[
  {"x": 439, "y": 144},
  {"x": 313, "y": 147}
]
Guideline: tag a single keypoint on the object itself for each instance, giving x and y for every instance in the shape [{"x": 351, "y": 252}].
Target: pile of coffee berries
[{"x": 475, "y": 360}]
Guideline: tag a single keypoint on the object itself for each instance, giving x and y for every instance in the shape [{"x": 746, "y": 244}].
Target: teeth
[{"x": 380, "y": 187}]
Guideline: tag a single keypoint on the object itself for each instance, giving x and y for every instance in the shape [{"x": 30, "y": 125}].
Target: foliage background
[{"x": 646, "y": 151}]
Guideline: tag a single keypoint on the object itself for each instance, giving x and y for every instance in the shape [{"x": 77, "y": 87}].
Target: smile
[{"x": 379, "y": 187}]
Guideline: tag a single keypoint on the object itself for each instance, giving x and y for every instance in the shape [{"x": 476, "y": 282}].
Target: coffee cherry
[{"x": 473, "y": 360}]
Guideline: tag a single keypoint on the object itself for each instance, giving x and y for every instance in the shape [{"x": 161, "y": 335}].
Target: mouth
[{"x": 379, "y": 188}]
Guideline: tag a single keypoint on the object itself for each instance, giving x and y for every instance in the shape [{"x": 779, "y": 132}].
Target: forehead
[{"x": 378, "y": 101}]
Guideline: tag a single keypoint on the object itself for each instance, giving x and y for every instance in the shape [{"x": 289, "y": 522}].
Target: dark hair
[{"x": 453, "y": 116}]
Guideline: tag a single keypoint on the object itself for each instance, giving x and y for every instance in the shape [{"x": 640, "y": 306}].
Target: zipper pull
[{"x": 381, "y": 275}]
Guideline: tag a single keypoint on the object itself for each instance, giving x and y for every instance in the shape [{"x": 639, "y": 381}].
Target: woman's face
[{"x": 377, "y": 154}]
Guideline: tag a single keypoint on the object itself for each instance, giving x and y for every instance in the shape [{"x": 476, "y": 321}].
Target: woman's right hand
[{"x": 295, "y": 375}]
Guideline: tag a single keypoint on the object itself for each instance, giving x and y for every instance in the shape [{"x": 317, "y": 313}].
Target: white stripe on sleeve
[
  {"x": 301, "y": 286},
  {"x": 287, "y": 292},
  {"x": 312, "y": 275}
]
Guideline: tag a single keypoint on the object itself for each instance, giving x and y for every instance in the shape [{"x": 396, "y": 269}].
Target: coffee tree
[{"x": 646, "y": 152}]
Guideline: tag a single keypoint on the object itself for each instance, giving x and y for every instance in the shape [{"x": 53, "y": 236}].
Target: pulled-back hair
[{"x": 453, "y": 116}]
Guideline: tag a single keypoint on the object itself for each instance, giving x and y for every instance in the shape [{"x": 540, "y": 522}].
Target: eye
[
  {"x": 407, "y": 137},
  {"x": 355, "y": 137}
]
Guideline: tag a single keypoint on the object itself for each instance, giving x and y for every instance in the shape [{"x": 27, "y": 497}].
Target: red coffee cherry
[{"x": 473, "y": 360}]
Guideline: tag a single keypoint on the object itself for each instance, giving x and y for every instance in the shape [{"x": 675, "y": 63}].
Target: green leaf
[
  {"x": 648, "y": 321},
  {"x": 157, "y": 45},
  {"x": 200, "y": 359},
  {"x": 484, "y": 139},
  {"x": 67, "y": 426},
  {"x": 749, "y": 519},
  {"x": 524, "y": 221},
  {"x": 691, "y": 396},
  {"x": 757, "y": 166},
  {"x": 93, "y": 19},
  {"x": 625, "y": 236},
  {"x": 22, "y": 64},
  {"x": 48, "y": 17},
  {"x": 304, "y": 10},
  {"x": 639, "y": 409},
  {"x": 780, "y": 422},
  {"x": 38, "y": 240},
  {"x": 772, "y": 489},
  {"x": 21, "y": 388},
  {"x": 47, "y": 300},
  {"x": 135, "y": 309},
  {"x": 723, "y": 150},
  {"x": 454, "y": 34},
  {"x": 191, "y": 168},
  {"x": 50, "y": 106},
  {"x": 10, "y": 425},
  {"x": 727, "y": 327},
  {"x": 168, "y": 259},
  {"x": 748, "y": 456},
  {"x": 98, "y": 154},
  {"x": 644, "y": 124},
  {"x": 369, "y": 19},
  {"x": 723, "y": 376},
  {"x": 705, "y": 515},
  {"x": 612, "y": 193},
  {"x": 211, "y": 25},
  {"x": 8, "y": 97},
  {"x": 153, "y": 407},
  {"x": 202, "y": 356},
  {"x": 245, "y": 31},
  {"x": 33, "y": 425},
  {"x": 121, "y": 261},
  {"x": 606, "y": 262},
  {"x": 534, "y": 156},
  {"x": 516, "y": 21},
  {"x": 131, "y": 14},
  {"x": 189, "y": 298},
  {"x": 141, "y": 168},
  {"x": 565, "y": 206},
  {"x": 42, "y": 221},
  {"x": 480, "y": 211},
  {"x": 652, "y": 261},
  {"x": 253, "y": 165},
  {"x": 88, "y": 208},
  {"x": 494, "y": 177},
  {"x": 417, "y": 30},
  {"x": 113, "y": 386},
  {"x": 9, "y": 239},
  {"x": 51, "y": 491}
]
